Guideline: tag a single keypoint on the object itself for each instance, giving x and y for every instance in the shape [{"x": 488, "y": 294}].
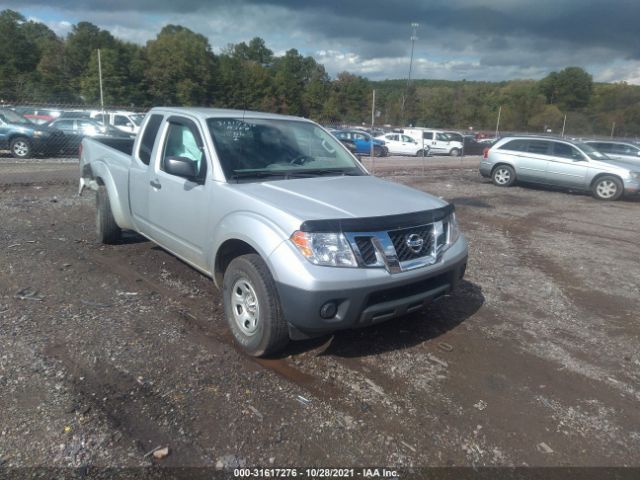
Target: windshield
[
  {"x": 592, "y": 152},
  {"x": 9, "y": 116},
  {"x": 266, "y": 147},
  {"x": 137, "y": 118}
]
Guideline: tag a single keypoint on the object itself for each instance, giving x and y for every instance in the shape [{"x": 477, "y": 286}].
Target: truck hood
[{"x": 340, "y": 197}]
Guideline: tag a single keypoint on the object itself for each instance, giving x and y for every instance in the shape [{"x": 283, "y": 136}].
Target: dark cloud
[{"x": 544, "y": 34}]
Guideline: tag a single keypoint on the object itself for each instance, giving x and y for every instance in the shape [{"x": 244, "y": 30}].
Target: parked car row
[
  {"x": 567, "y": 164},
  {"x": 60, "y": 136}
]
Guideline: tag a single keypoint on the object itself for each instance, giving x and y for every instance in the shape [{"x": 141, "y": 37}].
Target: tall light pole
[
  {"x": 414, "y": 37},
  {"x": 100, "y": 81}
]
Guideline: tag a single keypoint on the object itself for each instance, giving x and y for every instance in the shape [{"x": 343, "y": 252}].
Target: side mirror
[{"x": 181, "y": 167}]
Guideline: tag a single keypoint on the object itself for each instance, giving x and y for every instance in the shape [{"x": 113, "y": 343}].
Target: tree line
[{"x": 179, "y": 67}]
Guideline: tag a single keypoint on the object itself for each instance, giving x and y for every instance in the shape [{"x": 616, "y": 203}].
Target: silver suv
[
  {"x": 561, "y": 163},
  {"x": 624, "y": 151}
]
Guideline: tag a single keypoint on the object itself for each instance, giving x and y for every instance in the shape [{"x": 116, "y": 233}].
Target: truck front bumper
[{"x": 363, "y": 297}]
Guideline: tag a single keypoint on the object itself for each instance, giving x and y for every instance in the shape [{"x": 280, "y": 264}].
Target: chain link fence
[{"x": 39, "y": 143}]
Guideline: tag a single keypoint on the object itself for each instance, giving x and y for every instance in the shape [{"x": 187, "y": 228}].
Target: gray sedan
[
  {"x": 561, "y": 163},
  {"x": 627, "y": 152}
]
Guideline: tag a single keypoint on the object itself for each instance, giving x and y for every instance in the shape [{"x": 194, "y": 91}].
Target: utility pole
[
  {"x": 414, "y": 37},
  {"x": 498, "y": 123},
  {"x": 613, "y": 128},
  {"x": 373, "y": 120},
  {"x": 564, "y": 123},
  {"x": 100, "y": 80}
]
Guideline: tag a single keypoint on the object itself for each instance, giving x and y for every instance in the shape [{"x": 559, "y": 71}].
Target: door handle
[{"x": 155, "y": 184}]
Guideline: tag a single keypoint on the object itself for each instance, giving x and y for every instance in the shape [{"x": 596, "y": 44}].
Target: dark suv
[{"x": 24, "y": 138}]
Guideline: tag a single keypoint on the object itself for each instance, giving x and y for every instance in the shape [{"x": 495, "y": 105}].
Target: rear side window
[
  {"x": 149, "y": 138},
  {"x": 427, "y": 135},
  {"x": 566, "y": 151},
  {"x": 515, "y": 145},
  {"x": 120, "y": 120},
  {"x": 538, "y": 146},
  {"x": 624, "y": 149},
  {"x": 603, "y": 147}
]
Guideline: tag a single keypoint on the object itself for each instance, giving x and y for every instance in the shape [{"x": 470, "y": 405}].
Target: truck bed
[{"x": 106, "y": 163}]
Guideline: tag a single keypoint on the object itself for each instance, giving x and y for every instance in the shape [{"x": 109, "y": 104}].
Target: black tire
[
  {"x": 21, "y": 147},
  {"x": 422, "y": 153},
  {"x": 266, "y": 332},
  {"x": 107, "y": 230},
  {"x": 377, "y": 151},
  {"x": 607, "y": 188},
  {"x": 455, "y": 152},
  {"x": 503, "y": 176}
]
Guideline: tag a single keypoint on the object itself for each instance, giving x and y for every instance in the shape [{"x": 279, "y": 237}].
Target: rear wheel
[
  {"x": 607, "y": 188},
  {"x": 377, "y": 151},
  {"x": 107, "y": 230},
  {"x": 252, "y": 306},
  {"x": 421, "y": 153},
  {"x": 503, "y": 176},
  {"x": 455, "y": 152},
  {"x": 21, "y": 147}
]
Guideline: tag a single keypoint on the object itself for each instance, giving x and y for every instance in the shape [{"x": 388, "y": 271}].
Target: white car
[
  {"x": 126, "y": 121},
  {"x": 438, "y": 141},
  {"x": 400, "y": 144}
]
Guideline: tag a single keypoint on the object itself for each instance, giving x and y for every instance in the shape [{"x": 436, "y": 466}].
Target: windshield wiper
[
  {"x": 237, "y": 175},
  {"x": 286, "y": 174},
  {"x": 324, "y": 171}
]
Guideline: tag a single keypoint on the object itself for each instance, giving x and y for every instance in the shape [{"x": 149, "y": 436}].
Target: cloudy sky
[{"x": 470, "y": 39}]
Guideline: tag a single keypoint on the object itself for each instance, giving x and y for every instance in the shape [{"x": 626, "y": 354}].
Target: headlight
[
  {"x": 635, "y": 175},
  {"x": 328, "y": 249},
  {"x": 454, "y": 231},
  {"x": 39, "y": 133}
]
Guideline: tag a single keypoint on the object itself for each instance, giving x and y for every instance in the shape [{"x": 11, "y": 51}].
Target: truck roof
[{"x": 205, "y": 113}]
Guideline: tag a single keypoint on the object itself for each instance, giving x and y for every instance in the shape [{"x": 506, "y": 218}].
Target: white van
[
  {"x": 126, "y": 121},
  {"x": 438, "y": 141}
]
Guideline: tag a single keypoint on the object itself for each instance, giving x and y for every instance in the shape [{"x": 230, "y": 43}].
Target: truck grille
[
  {"x": 367, "y": 252},
  {"x": 412, "y": 243}
]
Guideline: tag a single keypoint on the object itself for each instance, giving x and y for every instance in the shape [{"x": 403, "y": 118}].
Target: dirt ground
[{"x": 107, "y": 352}]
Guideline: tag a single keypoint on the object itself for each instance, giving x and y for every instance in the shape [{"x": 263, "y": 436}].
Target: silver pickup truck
[{"x": 299, "y": 237}]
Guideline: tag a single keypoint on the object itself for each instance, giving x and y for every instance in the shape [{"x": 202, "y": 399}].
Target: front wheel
[
  {"x": 252, "y": 306},
  {"x": 503, "y": 176},
  {"x": 377, "y": 151},
  {"x": 607, "y": 188},
  {"x": 21, "y": 147},
  {"x": 422, "y": 153},
  {"x": 455, "y": 152}
]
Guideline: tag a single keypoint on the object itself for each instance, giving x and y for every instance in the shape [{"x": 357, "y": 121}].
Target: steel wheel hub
[
  {"x": 607, "y": 189},
  {"x": 502, "y": 176},
  {"x": 245, "y": 306},
  {"x": 20, "y": 148}
]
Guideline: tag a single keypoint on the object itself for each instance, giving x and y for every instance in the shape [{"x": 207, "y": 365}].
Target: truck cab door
[
  {"x": 179, "y": 207},
  {"x": 143, "y": 159}
]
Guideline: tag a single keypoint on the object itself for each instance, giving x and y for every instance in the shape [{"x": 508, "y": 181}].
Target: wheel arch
[
  {"x": 501, "y": 164},
  {"x": 230, "y": 249},
  {"x": 604, "y": 174}
]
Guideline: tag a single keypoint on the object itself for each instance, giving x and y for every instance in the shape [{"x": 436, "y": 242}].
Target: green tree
[
  {"x": 119, "y": 88},
  {"x": 180, "y": 68},
  {"x": 85, "y": 38},
  {"x": 19, "y": 55},
  {"x": 571, "y": 88}
]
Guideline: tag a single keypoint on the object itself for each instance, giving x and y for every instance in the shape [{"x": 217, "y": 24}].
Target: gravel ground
[{"x": 107, "y": 352}]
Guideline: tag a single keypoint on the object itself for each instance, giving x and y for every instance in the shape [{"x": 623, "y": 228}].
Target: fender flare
[{"x": 246, "y": 227}]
